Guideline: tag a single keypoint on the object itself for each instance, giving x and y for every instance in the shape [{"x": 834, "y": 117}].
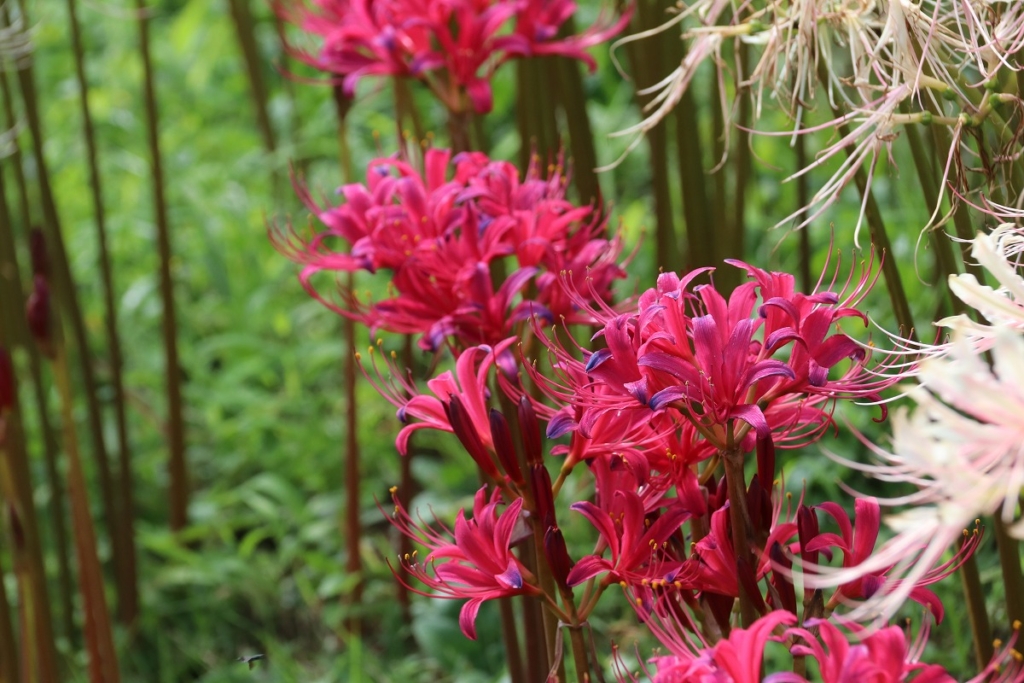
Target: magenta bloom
[
  {"x": 454, "y": 46},
  {"x": 724, "y": 365},
  {"x": 475, "y": 561},
  {"x": 736, "y": 659},
  {"x": 443, "y": 240}
]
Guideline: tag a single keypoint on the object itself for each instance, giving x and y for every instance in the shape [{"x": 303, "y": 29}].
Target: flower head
[
  {"x": 454, "y": 46},
  {"x": 446, "y": 240},
  {"x": 474, "y": 561}
]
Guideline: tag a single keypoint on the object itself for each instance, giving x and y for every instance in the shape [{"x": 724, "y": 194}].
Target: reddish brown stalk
[
  {"x": 803, "y": 198},
  {"x": 739, "y": 520},
  {"x": 353, "y": 528},
  {"x": 67, "y": 295},
  {"x": 977, "y": 612},
  {"x": 241, "y": 14},
  {"x": 177, "y": 468},
  {"x": 10, "y": 280},
  {"x": 99, "y": 637},
  {"x": 38, "y": 654},
  {"x": 125, "y": 570},
  {"x": 8, "y": 648},
  {"x": 648, "y": 63},
  {"x": 511, "y": 640},
  {"x": 743, "y": 163}
]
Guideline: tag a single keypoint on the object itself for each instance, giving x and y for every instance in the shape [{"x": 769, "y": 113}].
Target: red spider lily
[
  {"x": 474, "y": 561},
  {"x": 445, "y": 240},
  {"x": 468, "y": 384},
  {"x": 857, "y": 541},
  {"x": 637, "y": 546},
  {"x": 736, "y": 659},
  {"x": 690, "y": 353},
  {"x": 454, "y": 46},
  {"x": 884, "y": 656}
]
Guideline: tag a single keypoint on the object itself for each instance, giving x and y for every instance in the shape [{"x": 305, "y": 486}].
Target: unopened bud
[
  {"x": 37, "y": 253},
  {"x": 467, "y": 435},
  {"x": 37, "y": 313},
  {"x": 544, "y": 499},
  {"x": 506, "y": 451},
  {"x": 558, "y": 556},
  {"x": 6, "y": 381},
  {"x": 531, "y": 432}
]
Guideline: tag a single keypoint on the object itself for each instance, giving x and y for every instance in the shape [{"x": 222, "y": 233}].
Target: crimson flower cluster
[
  {"x": 464, "y": 39},
  {"x": 446, "y": 234},
  {"x": 690, "y": 373}
]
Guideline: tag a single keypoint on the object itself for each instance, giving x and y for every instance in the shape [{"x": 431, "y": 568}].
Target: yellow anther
[
  {"x": 997, "y": 643},
  {"x": 394, "y": 356},
  {"x": 1016, "y": 624},
  {"x": 393, "y": 490},
  {"x": 359, "y": 356}
]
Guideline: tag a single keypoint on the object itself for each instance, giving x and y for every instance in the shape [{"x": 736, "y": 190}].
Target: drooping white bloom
[{"x": 962, "y": 446}]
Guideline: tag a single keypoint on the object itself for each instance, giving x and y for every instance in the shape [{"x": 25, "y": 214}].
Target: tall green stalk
[
  {"x": 8, "y": 648},
  {"x": 648, "y": 63},
  {"x": 177, "y": 465},
  {"x": 573, "y": 101},
  {"x": 125, "y": 569}
]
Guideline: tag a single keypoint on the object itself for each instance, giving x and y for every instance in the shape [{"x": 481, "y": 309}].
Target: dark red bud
[
  {"x": 558, "y": 556},
  {"x": 466, "y": 433},
  {"x": 6, "y": 381},
  {"x": 766, "y": 462},
  {"x": 543, "y": 497},
  {"x": 17, "y": 530},
  {"x": 783, "y": 586},
  {"x": 37, "y": 312},
  {"x": 37, "y": 253},
  {"x": 807, "y": 530},
  {"x": 503, "y": 446},
  {"x": 748, "y": 584},
  {"x": 531, "y": 432}
]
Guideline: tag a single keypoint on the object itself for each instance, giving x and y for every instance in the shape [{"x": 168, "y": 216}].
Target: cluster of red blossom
[
  {"x": 685, "y": 380},
  {"x": 657, "y": 417},
  {"x": 466, "y": 40},
  {"x": 446, "y": 242}
]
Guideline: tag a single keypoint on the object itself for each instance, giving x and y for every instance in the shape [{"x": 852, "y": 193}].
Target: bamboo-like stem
[
  {"x": 581, "y": 136},
  {"x": 8, "y": 648},
  {"x": 579, "y": 654},
  {"x": 879, "y": 236},
  {"x": 353, "y": 526},
  {"x": 66, "y": 293},
  {"x": 38, "y": 652},
  {"x": 177, "y": 464},
  {"x": 803, "y": 198},
  {"x": 648, "y": 65},
  {"x": 10, "y": 280},
  {"x": 526, "y": 140},
  {"x": 124, "y": 528},
  {"x": 739, "y": 519},
  {"x": 945, "y": 259},
  {"x": 513, "y": 655},
  {"x": 99, "y": 636},
  {"x": 977, "y": 613},
  {"x": 700, "y": 218},
  {"x": 241, "y": 15},
  {"x": 11, "y": 121},
  {"x": 719, "y": 188},
  {"x": 744, "y": 162},
  {"x": 1009, "y": 562},
  {"x": 547, "y": 80}
]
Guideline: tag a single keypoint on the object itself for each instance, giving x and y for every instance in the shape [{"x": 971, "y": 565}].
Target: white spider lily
[{"x": 962, "y": 446}]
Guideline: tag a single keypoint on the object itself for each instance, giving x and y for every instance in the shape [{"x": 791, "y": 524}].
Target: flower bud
[
  {"x": 6, "y": 381},
  {"x": 531, "y": 432},
  {"x": 506, "y": 451},
  {"x": 466, "y": 433},
  {"x": 766, "y": 462},
  {"x": 37, "y": 253},
  {"x": 558, "y": 556},
  {"x": 540, "y": 483},
  {"x": 807, "y": 529},
  {"x": 37, "y": 313}
]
